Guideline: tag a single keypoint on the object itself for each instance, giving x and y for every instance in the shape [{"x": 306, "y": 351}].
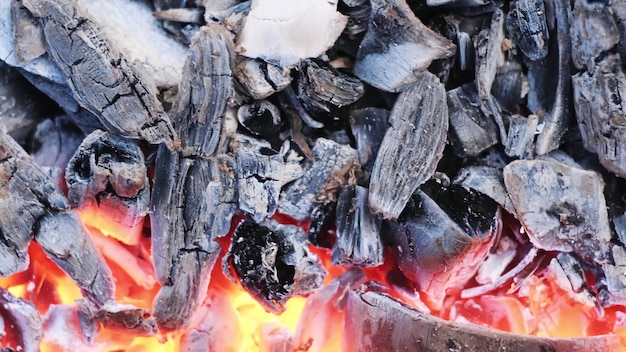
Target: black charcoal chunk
[
  {"x": 593, "y": 31},
  {"x": 600, "y": 110},
  {"x": 322, "y": 225},
  {"x": 509, "y": 85},
  {"x": 368, "y": 127},
  {"x": 23, "y": 322},
  {"x": 358, "y": 12},
  {"x": 260, "y": 79},
  {"x": 526, "y": 24},
  {"x": 397, "y": 46},
  {"x": 260, "y": 118},
  {"x": 273, "y": 263},
  {"x": 471, "y": 132},
  {"x": 573, "y": 215},
  {"x": 358, "y": 231},
  {"x": 488, "y": 44},
  {"x": 442, "y": 237},
  {"x": 297, "y": 199},
  {"x": 488, "y": 181},
  {"x": 412, "y": 146},
  {"x": 520, "y": 136}
]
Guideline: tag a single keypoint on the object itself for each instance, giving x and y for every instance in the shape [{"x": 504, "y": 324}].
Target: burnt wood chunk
[
  {"x": 297, "y": 199},
  {"x": 321, "y": 87},
  {"x": 442, "y": 237},
  {"x": 103, "y": 81},
  {"x": 488, "y": 44},
  {"x": 28, "y": 41},
  {"x": 376, "y": 322},
  {"x": 261, "y": 174},
  {"x": 205, "y": 90},
  {"x": 23, "y": 322},
  {"x": 396, "y": 46},
  {"x": 615, "y": 274},
  {"x": 600, "y": 111},
  {"x": 260, "y": 79},
  {"x": 368, "y": 126},
  {"x": 568, "y": 274},
  {"x": 593, "y": 31},
  {"x": 521, "y": 135},
  {"x": 509, "y": 85},
  {"x": 273, "y": 263},
  {"x": 488, "y": 181},
  {"x": 526, "y": 24},
  {"x": 561, "y": 207},
  {"x": 471, "y": 132},
  {"x": 412, "y": 146},
  {"x": 358, "y": 231},
  {"x": 114, "y": 316}
]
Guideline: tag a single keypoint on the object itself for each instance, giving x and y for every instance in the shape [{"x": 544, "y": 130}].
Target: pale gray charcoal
[
  {"x": 23, "y": 322},
  {"x": 570, "y": 277},
  {"x": 593, "y": 31},
  {"x": 599, "y": 113},
  {"x": 618, "y": 9},
  {"x": 509, "y": 86},
  {"x": 261, "y": 118},
  {"x": 260, "y": 79},
  {"x": 261, "y": 174},
  {"x": 412, "y": 146},
  {"x": 297, "y": 199},
  {"x": 488, "y": 44},
  {"x": 615, "y": 277},
  {"x": 102, "y": 79},
  {"x": 488, "y": 181},
  {"x": 409, "y": 47},
  {"x": 358, "y": 231},
  {"x": 368, "y": 127},
  {"x": 273, "y": 263},
  {"x": 204, "y": 91},
  {"x": 442, "y": 237},
  {"x": 28, "y": 41},
  {"x": 521, "y": 134},
  {"x": 471, "y": 132},
  {"x": 574, "y": 216},
  {"x": 526, "y": 24},
  {"x": 557, "y": 62}
]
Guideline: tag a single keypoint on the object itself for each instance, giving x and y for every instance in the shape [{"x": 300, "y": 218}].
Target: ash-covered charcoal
[
  {"x": 358, "y": 12},
  {"x": 300, "y": 30},
  {"x": 553, "y": 93},
  {"x": 615, "y": 274},
  {"x": 273, "y": 263},
  {"x": 570, "y": 276},
  {"x": 509, "y": 86},
  {"x": 368, "y": 127},
  {"x": 442, "y": 237},
  {"x": 573, "y": 216},
  {"x": 260, "y": 79},
  {"x": 205, "y": 90},
  {"x": 397, "y": 47},
  {"x": 369, "y": 327},
  {"x": 28, "y": 41},
  {"x": 526, "y": 24},
  {"x": 471, "y": 132},
  {"x": 23, "y": 322},
  {"x": 498, "y": 259},
  {"x": 116, "y": 317},
  {"x": 297, "y": 199},
  {"x": 193, "y": 202},
  {"x": 488, "y": 44},
  {"x": 488, "y": 181},
  {"x": 322, "y": 225},
  {"x": 261, "y": 174},
  {"x": 520, "y": 136},
  {"x": 103, "y": 81},
  {"x": 260, "y": 118},
  {"x": 358, "y": 231},
  {"x": 412, "y": 146},
  {"x": 593, "y": 31},
  {"x": 600, "y": 111}
]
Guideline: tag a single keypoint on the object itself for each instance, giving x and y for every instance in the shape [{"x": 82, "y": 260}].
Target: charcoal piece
[
  {"x": 600, "y": 111},
  {"x": 509, "y": 84},
  {"x": 471, "y": 132},
  {"x": 260, "y": 79},
  {"x": 618, "y": 8},
  {"x": 615, "y": 274},
  {"x": 320, "y": 87},
  {"x": 261, "y": 118},
  {"x": 488, "y": 44},
  {"x": 261, "y": 174},
  {"x": 23, "y": 322},
  {"x": 297, "y": 199},
  {"x": 205, "y": 90},
  {"x": 412, "y": 146},
  {"x": 358, "y": 12},
  {"x": 369, "y": 327},
  {"x": 358, "y": 231},
  {"x": 558, "y": 100},
  {"x": 570, "y": 277},
  {"x": 273, "y": 263},
  {"x": 488, "y": 181},
  {"x": 573, "y": 216},
  {"x": 102, "y": 79},
  {"x": 28, "y": 42},
  {"x": 293, "y": 107},
  {"x": 442, "y": 237},
  {"x": 383, "y": 59},
  {"x": 322, "y": 225},
  {"x": 368, "y": 127},
  {"x": 520, "y": 135},
  {"x": 526, "y": 24},
  {"x": 499, "y": 258},
  {"x": 593, "y": 32},
  {"x": 114, "y": 316}
]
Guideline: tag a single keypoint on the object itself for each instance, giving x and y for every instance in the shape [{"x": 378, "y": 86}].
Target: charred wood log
[
  {"x": 102, "y": 79},
  {"x": 412, "y": 146},
  {"x": 526, "y": 24},
  {"x": 574, "y": 216},
  {"x": 23, "y": 322},
  {"x": 273, "y": 263},
  {"x": 393, "y": 32}
]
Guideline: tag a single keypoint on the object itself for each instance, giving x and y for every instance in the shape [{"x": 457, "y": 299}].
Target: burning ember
[{"x": 308, "y": 175}]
